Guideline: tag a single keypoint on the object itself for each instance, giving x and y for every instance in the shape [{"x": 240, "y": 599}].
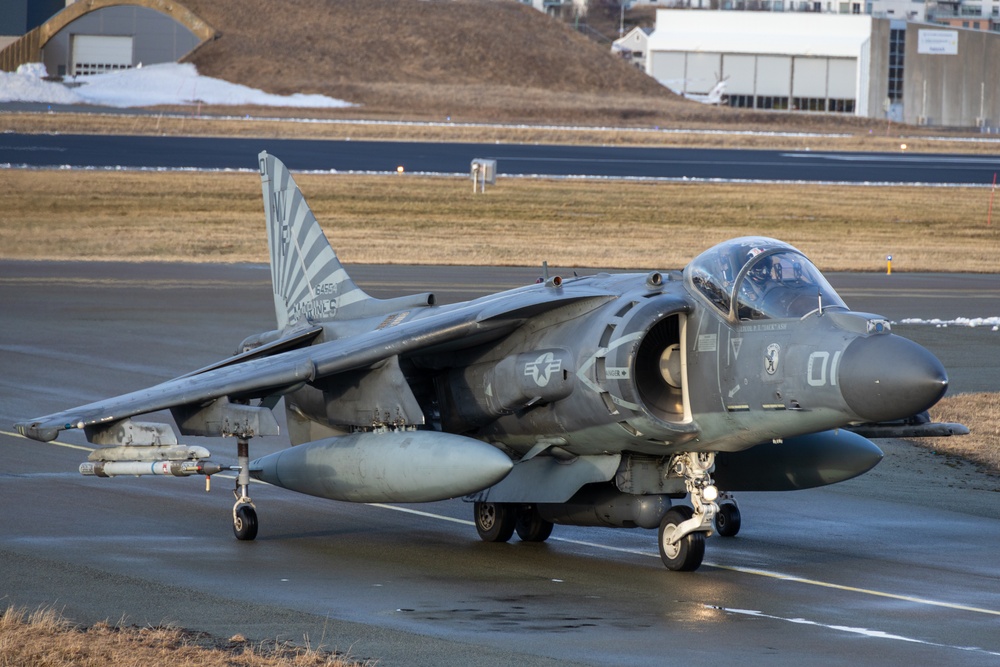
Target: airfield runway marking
[
  {"x": 639, "y": 552},
  {"x": 865, "y": 632}
]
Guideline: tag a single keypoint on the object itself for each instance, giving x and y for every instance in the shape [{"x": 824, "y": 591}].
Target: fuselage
[{"x": 712, "y": 359}]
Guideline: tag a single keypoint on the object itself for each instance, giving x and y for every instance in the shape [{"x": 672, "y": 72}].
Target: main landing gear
[
  {"x": 244, "y": 512},
  {"x": 497, "y": 522},
  {"x": 727, "y": 519},
  {"x": 682, "y": 529}
]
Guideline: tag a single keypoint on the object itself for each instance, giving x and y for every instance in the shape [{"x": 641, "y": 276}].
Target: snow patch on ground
[
  {"x": 972, "y": 322},
  {"x": 166, "y": 83}
]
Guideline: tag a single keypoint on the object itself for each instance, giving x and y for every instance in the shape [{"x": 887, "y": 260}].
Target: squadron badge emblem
[{"x": 771, "y": 358}]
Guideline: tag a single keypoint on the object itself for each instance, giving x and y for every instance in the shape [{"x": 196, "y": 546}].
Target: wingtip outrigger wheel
[
  {"x": 244, "y": 521},
  {"x": 244, "y": 512}
]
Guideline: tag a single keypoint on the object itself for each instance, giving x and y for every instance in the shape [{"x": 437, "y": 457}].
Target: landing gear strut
[
  {"x": 683, "y": 530},
  {"x": 244, "y": 512}
]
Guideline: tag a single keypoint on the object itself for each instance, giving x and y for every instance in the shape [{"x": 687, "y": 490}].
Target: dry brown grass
[
  {"x": 420, "y": 59},
  {"x": 315, "y": 45},
  {"x": 420, "y": 220},
  {"x": 43, "y": 638},
  {"x": 981, "y": 413}
]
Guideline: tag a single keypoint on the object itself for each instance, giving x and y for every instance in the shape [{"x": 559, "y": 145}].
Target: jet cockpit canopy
[{"x": 754, "y": 277}]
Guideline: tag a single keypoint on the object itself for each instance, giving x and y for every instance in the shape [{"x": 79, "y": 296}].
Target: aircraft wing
[{"x": 274, "y": 375}]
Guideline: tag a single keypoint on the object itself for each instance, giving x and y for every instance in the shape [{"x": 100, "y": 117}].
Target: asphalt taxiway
[
  {"x": 897, "y": 567},
  {"x": 741, "y": 165}
]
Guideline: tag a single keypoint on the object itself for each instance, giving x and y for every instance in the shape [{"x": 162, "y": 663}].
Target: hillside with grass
[
  {"x": 468, "y": 60},
  {"x": 471, "y": 59}
]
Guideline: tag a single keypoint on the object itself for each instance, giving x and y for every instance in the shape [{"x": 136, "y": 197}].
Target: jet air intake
[{"x": 887, "y": 377}]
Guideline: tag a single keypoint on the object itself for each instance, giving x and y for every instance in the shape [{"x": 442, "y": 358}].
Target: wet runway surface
[{"x": 898, "y": 566}]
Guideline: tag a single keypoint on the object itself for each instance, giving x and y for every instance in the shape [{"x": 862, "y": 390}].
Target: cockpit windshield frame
[{"x": 755, "y": 278}]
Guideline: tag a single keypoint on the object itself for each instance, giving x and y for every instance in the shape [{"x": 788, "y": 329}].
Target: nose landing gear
[{"x": 683, "y": 530}]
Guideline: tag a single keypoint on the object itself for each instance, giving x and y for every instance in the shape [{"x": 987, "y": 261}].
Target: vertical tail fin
[{"x": 309, "y": 281}]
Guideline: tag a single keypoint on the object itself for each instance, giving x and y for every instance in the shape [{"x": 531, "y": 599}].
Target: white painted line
[{"x": 865, "y": 632}]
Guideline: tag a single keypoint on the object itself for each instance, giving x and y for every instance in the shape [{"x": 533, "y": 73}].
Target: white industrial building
[
  {"x": 840, "y": 63},
  {"x": 769, "y": 61}
]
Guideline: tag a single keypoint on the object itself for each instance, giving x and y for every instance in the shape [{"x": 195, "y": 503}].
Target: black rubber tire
[
  {"x": 728, "y": 520},
  {"x": 530, "y": 526},
  {"x": 245, "y": 525},
  {"x": 495, "y": 522},
  {"x": 686, "y": 555}
]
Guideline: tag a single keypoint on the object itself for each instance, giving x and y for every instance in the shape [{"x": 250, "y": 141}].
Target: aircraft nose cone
[{"x": 888, "y": 377}]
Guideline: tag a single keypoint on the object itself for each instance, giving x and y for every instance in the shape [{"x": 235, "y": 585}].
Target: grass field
[{"x": 423, "y": 220}]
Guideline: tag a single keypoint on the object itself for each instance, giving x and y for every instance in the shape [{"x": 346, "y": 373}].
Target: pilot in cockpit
[
  {"x": 755, "y": 285},
  {"x": 759, "y": 275}
]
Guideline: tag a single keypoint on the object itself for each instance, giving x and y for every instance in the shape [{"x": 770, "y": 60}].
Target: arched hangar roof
[{"x": 28, "y": 48}]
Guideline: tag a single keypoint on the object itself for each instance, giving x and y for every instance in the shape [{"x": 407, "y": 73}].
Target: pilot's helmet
[{"x": 760, "y": 272}]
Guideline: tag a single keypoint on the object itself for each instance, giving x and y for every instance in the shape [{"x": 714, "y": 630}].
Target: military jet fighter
[{"x": 624, "y": 400}]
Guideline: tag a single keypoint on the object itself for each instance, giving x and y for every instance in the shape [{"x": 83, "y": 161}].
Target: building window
[
  {"x": 841, "y": 106},
  {"x": 897, "y": 49},
  {"x": 769, "y": 102},
  {"x": 740, "y": 101},
  {"x": 87, "y": 69},
  {"x": 808, "y": 104},
  {"x": 822, "y": 104}
]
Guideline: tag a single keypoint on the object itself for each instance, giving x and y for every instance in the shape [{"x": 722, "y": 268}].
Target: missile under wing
[{"x": 623, "y": 400}]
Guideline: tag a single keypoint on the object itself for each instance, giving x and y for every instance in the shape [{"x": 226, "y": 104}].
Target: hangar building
[
  {"x": 102, "y": 35},
  {"x": 854, "y": 64}
]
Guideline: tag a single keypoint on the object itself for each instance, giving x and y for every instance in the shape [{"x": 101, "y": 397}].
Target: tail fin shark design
[{"x": 308, "y": 280}]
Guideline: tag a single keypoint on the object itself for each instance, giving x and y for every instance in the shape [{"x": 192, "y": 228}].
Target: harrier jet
[{"x": 624, "y": 400}]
